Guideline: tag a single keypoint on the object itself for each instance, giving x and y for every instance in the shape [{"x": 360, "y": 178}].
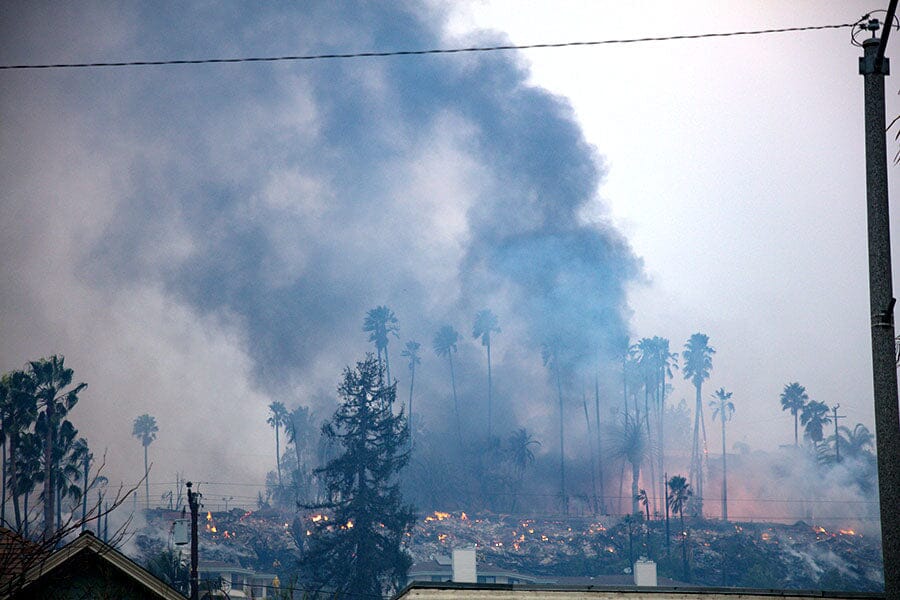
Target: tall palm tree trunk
[
  {"x": 562, "y": 445},
  {"x": 146, "y": 477},
  {"x": 490, "y": 424},
  {"x": 696, "y": 472},
  {"x": 622, "y": 487},
  {"x": 49, "y": 471},
  {"x": 25, "y": 513},
  {"x": 650, "y": 453},
  {"x": 662, "y": 438},
  {"x": 412, "y": 381},
  {"x": 84, "y": 491},
  {"x": 635, "y": 478},
  {"x": 14, "y": 481},
  {"x": 278, "y": 455},
  {"x": 590, "y": 433},
  {"x": 455, "y": 401},
  {"x": 724, "y": 474},
  {"x": 3, "y": 493},
  {"x": 387, "y": 365},
  {"x": 599, "y": 443},
  {"x": 59, "y": 495},
  {"x": 796, "y": 430},
  {"x": 684, "y": 559}
]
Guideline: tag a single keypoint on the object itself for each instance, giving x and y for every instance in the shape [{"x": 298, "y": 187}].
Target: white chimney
[
  {"x": 645, "y": 572},
  {"x": 464, "y": 565}
]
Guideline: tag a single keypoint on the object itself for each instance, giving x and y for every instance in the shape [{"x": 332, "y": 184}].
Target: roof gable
[{"x": 88, "y": 550}]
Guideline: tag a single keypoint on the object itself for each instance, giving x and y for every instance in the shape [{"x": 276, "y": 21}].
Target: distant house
[
  {"x": 87, "y": 569},
  {"x": 481, "y": 591},
  {"x": 439, "y": 569},
  {"x": 220, "y": 579}
]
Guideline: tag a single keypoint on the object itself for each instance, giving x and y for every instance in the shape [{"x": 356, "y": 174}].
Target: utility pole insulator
[{"x": 867, "y": 63}]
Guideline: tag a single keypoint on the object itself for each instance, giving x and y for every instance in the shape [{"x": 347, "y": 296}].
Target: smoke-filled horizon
[{"x": 201, "y": 241}]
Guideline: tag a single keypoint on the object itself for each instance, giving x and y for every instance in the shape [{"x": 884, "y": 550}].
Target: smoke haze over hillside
[{"x": 200, "y": 241}]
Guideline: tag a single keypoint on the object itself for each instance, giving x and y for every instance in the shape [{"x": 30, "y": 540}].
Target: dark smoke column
[{"x": 874, "y": 67}]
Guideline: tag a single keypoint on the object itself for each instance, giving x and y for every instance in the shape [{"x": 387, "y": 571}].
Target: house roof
[
  {"x": 435, "y": 566},
  {"x": 17, "y": 554},
  {"x": 88, "y": 543},
  {"x": 507, "y": 591}
]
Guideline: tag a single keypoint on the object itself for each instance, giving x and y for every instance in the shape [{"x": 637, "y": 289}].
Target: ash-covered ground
[{"x": 756, "y": 555}]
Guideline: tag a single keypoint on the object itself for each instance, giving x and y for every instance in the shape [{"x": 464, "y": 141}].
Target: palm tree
[
  {"x": 86, "y": 457},
  {"x": 723, "y": 408},
  {"x": 278, "y": 419},
  {"x": 520, "y": 443},
  {"x": 67, "y": 459},
  {"x": 302, "y": 432},
  {"x": 629, "y": 442},
  {"x": 19, "y": 412},
  {"x": 51, "y": 377},
  {"x": 550, "y": 354},
  {"x": 814, "y": 418},
  {"x": 411, "y": 353},
  {"x": 697, "y": 357},
  {"x": 666, "y": 362},
  {"x": 444, "y": 344},
  {"x": 521, "y": 454},
  {"x": 381, "y": 322},
  {"x": 29, "y": 473},
  {"x": 794, "y": 398},
  {"x": 679, "y": 494},
  {"x": 654, "y": 365},
  {"x": 857, "y": 441},
  {"x": 145, "y": 429},
  {"x": 486, "y": 323},
  {"x": 645, "y": 501}
]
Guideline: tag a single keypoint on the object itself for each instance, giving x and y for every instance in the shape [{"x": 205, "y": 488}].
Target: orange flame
[{"x": 847, "y": 532}]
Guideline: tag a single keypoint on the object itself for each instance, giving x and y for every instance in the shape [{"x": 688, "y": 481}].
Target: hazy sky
[{"x": 201, "y": 240}]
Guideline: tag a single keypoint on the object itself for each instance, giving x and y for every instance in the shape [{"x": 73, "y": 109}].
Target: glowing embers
[
  {"x": 210, "y": 525},
  {"x": 440, "y": 516}
]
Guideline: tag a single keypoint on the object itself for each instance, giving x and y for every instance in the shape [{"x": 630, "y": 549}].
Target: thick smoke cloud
[{"x": 218, "y": 232}]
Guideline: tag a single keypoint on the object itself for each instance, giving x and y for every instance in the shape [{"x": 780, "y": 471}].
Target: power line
[{"x": 376, "y": 54}]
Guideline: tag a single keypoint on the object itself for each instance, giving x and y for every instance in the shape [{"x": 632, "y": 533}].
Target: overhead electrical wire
[{"x": 388, "y": 53}]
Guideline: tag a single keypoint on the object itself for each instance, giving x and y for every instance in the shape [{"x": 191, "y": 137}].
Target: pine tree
[{"x": 359, "y": 551}]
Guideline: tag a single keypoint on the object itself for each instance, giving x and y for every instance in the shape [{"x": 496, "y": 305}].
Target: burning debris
[{"x": 751, "y": 554}]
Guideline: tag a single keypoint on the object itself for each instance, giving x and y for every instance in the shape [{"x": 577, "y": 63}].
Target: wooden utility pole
[
  {"x": 873, "y": 66},
  {"x": 194, "y": 503}
]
